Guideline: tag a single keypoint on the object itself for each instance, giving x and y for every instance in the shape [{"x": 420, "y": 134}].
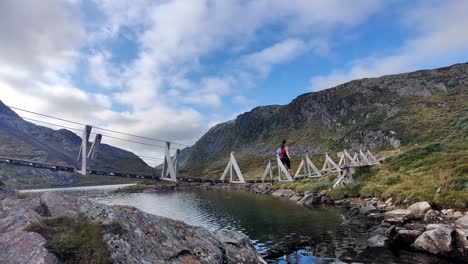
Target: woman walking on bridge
[{"x": 284, "y": 156}]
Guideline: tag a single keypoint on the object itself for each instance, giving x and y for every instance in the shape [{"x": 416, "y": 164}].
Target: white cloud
[
  {"x": 42, "y": 49},
  {"x": 102, "y": 72},
  {"x": 278, "y": 53},
  {"x": 438, "y": 40}
]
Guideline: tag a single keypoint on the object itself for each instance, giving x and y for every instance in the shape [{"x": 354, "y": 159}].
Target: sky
[{"x": 171, "y": 69}]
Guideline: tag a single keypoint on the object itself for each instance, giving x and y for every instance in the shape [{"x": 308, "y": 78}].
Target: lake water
[{"x": 281, "y": 230}]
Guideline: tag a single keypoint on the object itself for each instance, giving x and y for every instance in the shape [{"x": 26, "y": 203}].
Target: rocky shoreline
[
  {"x": 129, "y": 235},
  {"x": 415, "y": 228}
]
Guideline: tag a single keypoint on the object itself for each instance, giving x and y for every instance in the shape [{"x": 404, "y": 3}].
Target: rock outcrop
[
  {"x": 146, "y": 238},
  {"x": 133, "y": 236}
]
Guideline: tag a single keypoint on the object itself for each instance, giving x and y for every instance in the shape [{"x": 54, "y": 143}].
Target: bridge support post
[
  {"x": 329, "y": 165},
  {"x": 269, "y": 170},
  {"x": 92, "y": 154},
  {"x": 170, "y": 164},
  {"x": 345, "y": 177},
  {"x": 232, "y": 164},
  {"x": 82, "y": 153},
  {"x": 282, "y": 170}
]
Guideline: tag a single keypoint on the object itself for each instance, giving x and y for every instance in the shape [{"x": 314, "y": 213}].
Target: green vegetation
[
  {"x": 74, "y": 240},
  {"x": 431, "y": 164}
]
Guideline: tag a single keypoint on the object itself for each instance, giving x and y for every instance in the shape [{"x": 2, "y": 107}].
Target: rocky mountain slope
[
  {"x": 25, "y": 140},
  {"x": 394, "y": 113}
]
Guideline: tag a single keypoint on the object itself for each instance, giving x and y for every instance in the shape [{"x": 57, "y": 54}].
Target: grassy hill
[{"x": 418, "y": 119}]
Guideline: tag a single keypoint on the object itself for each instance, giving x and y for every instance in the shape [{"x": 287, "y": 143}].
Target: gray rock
[
  {"x": 7, "y": 192},
  {"x": 262, "y": 188},
  {"x": 461, "y": 238},
  {"x": 435, "y": 217},
  {"x": 283, "y": 193},
  {"x": 377, "y": 241},
  {"x": 399, "y": 213},
  {"x": 144, "y": 238},
  {"x": 420, "y": 209},
  {"x": 309, "y": 200},
  {"x": 25, "y": 248},
  {"x": 435, "y": 226},
  {"x": 15, "y": 217},
  {"x": 344, "y": 202},
  {"x": 462, "y": 222},
  {"x": 296, "y": 197},
  {"x": 415, "y": 226},
  {"x": 58, "y": 205},
  {"x": 437, "y": 241}
]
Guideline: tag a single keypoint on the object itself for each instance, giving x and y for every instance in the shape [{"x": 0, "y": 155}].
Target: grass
[{"x": 74, "y": 240}]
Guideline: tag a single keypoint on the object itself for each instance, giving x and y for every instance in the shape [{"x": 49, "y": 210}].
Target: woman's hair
[{"x": 283, "y": 144}]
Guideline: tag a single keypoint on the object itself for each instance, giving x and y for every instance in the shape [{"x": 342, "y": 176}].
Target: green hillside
[{"x": 418, "y": 120}]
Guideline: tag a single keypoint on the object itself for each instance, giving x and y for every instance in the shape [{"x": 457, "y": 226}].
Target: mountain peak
[{"x": 6, "y": 111}]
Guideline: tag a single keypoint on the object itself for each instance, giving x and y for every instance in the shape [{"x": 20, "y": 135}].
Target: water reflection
[{"x": 282, "y": 231}]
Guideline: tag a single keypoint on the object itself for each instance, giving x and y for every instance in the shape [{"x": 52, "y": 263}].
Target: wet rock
[
  {"x": 462, "y": 222},
  {"x": 262, "y": 188},
  {"x": 310, "y": 200},
  {"x": 283, "y": 193},
  {"x": 377, "y": 241},
  {"x": 146, "y": 238},
  {"x": 344, "y": 202},
  {"x": 296, "y": 197},
  {"x": 367, "y": 209},
  {"x": 433, "y": 216},
  {"x": 57, "y": 205},
  {"x": 437, "y": 241},
  {"x": 233, "y": 241},
  {"x": 24, "y": 247},
  {"x": 419, "y": 209}
]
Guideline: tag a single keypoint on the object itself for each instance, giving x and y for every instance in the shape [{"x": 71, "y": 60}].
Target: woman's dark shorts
[{"x": 286, "y": 163}]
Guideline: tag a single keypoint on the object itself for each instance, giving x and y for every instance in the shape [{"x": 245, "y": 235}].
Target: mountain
[
  {"x": 25, "y": 140},
  {"x": 389, "y": 114}
]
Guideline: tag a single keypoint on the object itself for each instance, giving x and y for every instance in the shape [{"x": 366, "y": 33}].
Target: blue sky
[{"x": 173, "y": 68}]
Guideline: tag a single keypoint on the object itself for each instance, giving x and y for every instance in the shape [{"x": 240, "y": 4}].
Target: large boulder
[
  {"x": 24, "y": 247},
  {"x": 462, "y": 222},
  {"x": 435, "y": 217},
  {"x": 419, "y": 209},
  {"x": 138, "y": 237},
  {"x": 436, "y": 241},
  {"x": 57, "y": 205}
]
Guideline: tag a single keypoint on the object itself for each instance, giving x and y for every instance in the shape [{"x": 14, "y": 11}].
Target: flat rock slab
[
  {"x": 57, "y": 205},
  {"x": 24, "y": 248}
]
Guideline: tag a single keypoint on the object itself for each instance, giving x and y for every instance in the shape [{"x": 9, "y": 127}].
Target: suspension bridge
[{"x": 344, "y": 168}]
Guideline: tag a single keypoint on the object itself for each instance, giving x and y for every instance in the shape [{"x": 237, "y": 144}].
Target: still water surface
[{"x": 282, "y": 231}]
